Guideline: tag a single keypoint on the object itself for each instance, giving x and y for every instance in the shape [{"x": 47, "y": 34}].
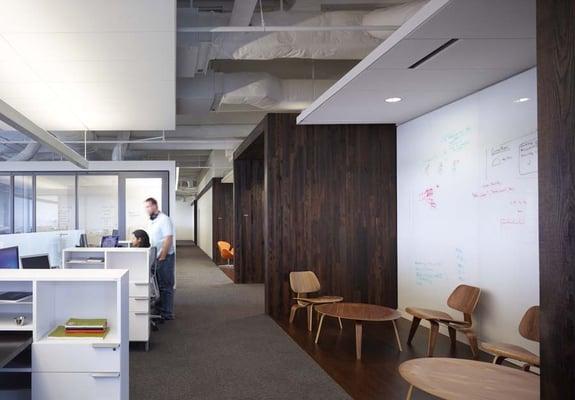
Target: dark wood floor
[
  {"x": 229, "y": 271},
  {"x": 376, "y": 376}
]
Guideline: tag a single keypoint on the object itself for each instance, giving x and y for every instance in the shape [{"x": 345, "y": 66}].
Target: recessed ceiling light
[
  {"x": 393, "y": 99},
  {"x": 521, "y": 100}
]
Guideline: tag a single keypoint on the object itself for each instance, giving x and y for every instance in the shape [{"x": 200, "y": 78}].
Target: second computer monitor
[
  {"x": 9, "y": 258},
  {"x": 40, "y": 261},
  {"x": 83, "y": 240},
  {"x": 109, "y": 241}
]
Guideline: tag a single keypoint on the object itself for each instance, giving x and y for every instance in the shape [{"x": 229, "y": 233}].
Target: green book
[
  {"x": 89, "y": 323},
  {"x": 60, "y": 333}
]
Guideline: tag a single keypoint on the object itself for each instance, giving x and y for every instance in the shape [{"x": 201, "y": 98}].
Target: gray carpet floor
[{"x": 223, "y": 346}]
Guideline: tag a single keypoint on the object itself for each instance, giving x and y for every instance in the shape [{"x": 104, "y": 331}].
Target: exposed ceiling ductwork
[
  {"x": 27, "y": 153},
  {"x": 326, "y": 38},
  {"x": 246, "y": 92}
]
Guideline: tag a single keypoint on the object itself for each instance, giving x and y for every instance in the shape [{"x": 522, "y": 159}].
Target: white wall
[
  {"x": 204, "y": 222},
  {"x": 468, "y": 208},
  {"x": 184, "y": 220}
]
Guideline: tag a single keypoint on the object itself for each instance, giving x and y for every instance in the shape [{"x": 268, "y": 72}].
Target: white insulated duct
[
  {"x": 27, "y": 153},
  {"x": 334, "y": 44},
  {"x": 396, "y": 15},
  {"x": 349, "y": 45},
  {"x": 246, "y": 91}
]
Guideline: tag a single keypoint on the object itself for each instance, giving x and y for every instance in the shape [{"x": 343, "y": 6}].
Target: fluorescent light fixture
[
  {"x": 393, "y": 99},
  {"x": 521, "y": 100}
]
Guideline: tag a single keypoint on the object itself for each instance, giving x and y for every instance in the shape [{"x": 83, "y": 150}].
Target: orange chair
[{"x": 226, "y": 251}]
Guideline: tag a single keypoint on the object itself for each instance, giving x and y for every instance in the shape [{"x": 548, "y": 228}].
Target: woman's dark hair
[{"x": 141, "y": 235}]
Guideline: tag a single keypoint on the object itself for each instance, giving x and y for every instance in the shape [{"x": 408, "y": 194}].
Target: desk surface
[
  {"x": 359, "y": 311},
  {"x": 450, "y": 379},
  {"x": 12, "y": 344}
]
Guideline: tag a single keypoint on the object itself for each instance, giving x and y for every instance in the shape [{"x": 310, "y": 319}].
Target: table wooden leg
[
  {"x": 397, "y": 336},
  {"x": 319, "y": 328},
  {"x": 358, "y": 334},
  {"x": 409, "y": 393}
]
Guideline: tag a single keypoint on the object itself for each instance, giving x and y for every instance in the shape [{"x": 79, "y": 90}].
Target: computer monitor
[
  {"x": 40, "y": 261},
  {"x": 83, "y": 240},
  {"x": 9, "y": 258},
  {"x": 109, "y": 241}
]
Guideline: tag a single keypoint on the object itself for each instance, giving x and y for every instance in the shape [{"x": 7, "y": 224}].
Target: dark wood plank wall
[
  {"x": 249, "y": 220},
  {"x": 331, "y": 208},
  {"x": 195, "y": 203},
  {"x": 556, "y": 120},
  {"x": 222, "y": 216}
]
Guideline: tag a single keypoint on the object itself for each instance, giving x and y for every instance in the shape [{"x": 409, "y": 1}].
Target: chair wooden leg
[
  {"x": 414, "y": 325},
  {"x": 498, "y": 360},
  {"x": 340, "y": 324},
  {"x": 432, "y": 338},
  {"x": 294, "y": 308},
  {"x": 310, "y": 317},
  {"x": 409, "y": 393},
  {"x": 473, "y": 343},
  {"x": 319, "y": 328},
  {"x": 452, "y": 336}
]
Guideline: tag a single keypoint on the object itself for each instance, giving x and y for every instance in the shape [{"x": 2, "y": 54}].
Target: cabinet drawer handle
[
  {"x": 140, "y": 313},
  {"x": 141, "y": 298},
  {"x": 106, "y": 345},
  {"x": 141, "y": 283},
  {"x": 106, "y": 375}
]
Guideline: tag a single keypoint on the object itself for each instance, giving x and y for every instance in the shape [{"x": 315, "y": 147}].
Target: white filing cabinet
[
  {"x": 63, "y": 369},
  {"x": 137, "y": 261}
]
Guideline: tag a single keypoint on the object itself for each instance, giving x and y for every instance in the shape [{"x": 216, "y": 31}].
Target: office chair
[
  {"x": 155, "y": 319},
  {"x": 226, "y": 252}
]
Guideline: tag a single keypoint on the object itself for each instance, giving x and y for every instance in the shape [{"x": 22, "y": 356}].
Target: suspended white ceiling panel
[
  {"x": 454, "y": 48},
  {"x": 90, "y": 65}
]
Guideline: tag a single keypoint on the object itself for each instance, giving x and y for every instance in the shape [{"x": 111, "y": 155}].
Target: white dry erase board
[{"x": 467, "y": 205}]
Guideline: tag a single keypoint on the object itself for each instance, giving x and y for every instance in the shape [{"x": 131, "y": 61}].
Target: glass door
[{"x": 135, "y": 189}]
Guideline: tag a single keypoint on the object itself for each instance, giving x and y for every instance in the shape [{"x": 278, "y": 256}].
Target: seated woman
[{"x": 140, "y": 238}]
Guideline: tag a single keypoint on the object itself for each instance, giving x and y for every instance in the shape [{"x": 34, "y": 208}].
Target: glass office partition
[
  {"x": 23, "y": 204},
  {"x": 138, "y": 190},
  {"x": 5, "y": 204},
  {"x": 55, "y": 202},
  {"x": 97, "y": 205}
]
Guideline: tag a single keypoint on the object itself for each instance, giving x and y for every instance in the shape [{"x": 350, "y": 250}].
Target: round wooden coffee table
[
  {"x": 359, "y": 313},
  {"x": 450, "y": 379}
]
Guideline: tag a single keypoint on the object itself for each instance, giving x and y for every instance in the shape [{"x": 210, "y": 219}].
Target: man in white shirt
[{"x": 162, "y": 238}]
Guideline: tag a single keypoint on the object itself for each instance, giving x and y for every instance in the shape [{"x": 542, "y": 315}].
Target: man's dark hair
[{"x": 151, "y": 200}]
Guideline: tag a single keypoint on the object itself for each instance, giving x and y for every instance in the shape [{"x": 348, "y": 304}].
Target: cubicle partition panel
[{"x": 329, "y": 205}]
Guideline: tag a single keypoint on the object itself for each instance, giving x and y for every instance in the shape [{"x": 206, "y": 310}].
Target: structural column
[{"x": 556, "y": 120}]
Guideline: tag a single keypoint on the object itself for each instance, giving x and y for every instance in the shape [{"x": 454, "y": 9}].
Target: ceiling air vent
[{"x": 433, "y": 53}]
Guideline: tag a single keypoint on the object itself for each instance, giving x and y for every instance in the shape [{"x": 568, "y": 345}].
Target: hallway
[{"x": 222, "y": 346}]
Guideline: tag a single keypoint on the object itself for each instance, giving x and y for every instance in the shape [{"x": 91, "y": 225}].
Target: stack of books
[{"x": 81, "y": 328}]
